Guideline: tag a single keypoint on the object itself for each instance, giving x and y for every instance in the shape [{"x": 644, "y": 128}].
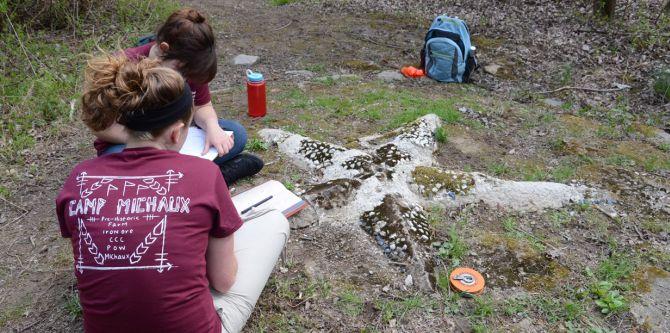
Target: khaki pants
[{"x": 258, "y": 244}]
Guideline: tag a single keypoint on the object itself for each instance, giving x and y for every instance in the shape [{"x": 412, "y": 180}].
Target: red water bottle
[{"x": 256, "y": 94}]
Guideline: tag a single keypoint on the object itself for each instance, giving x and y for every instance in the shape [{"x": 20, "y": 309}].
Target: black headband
[{"x": 147, "y": 120}]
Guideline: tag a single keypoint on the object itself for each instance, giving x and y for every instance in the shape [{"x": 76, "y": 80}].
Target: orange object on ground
[
  {"x": 464, "y": 279},
  {"x": 413, "y": 72}
]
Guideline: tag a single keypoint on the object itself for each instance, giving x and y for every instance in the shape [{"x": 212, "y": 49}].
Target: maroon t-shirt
[
  {"x": 139, "y": 223},
  {"x": 201, "y": 94}
]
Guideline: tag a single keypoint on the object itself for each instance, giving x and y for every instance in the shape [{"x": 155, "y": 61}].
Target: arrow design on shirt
[
  {"x": 157, "y": 231},
  {"x": 88, "y": 239},
  {"x": 158, "y": 183}
]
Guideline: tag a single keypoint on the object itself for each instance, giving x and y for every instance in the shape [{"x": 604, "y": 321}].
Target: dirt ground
[{"x": 540, "y": 267}]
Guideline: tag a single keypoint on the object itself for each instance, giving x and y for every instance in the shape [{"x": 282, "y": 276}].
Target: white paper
[
  {"x": 282, "y": 200},
  {"x": 195, "y": 143}
]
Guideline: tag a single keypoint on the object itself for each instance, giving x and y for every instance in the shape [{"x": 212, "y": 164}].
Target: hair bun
[{"x": 194, "y": 16}]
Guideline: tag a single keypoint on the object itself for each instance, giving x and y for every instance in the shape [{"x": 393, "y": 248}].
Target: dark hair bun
[{"x": 194, "y": 16}]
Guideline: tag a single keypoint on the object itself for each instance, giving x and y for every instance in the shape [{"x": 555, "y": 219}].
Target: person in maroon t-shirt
[
  {"x": 153, "y": 230},
  {"x": 186, "y": 43}
]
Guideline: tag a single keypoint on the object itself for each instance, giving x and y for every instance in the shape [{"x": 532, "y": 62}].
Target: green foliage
[
  {"x": 282, "y": 2},
  {"x": 620, "y": 160},
  {"x": 441, "y": 135},
  {"x": 289, "y": 185},
  {"x": 563, "y": 172},
  {"x": 72, "y": 304},
  {"x": 374, "y": 102},
  {"x": 4, "y": 192},
  {"x": 617, "y": 267},
  {"x": 483, "y": 307},
  {"x": 607, "y": 299},
  {"x": 350, "y": 303},
  {"x": 255, "y": 144},
  {"x": 453, "y": 249},
  {"x": 392, "y": 309},
  {"x": 43, "y": 87},
  {"x": 649, "y": 33},
  {"x": 566, "y": 74},
  {"x": 499, "y": 169},
  {"x": 531, "y": 172},
  {"x": 560, "y": 218}
]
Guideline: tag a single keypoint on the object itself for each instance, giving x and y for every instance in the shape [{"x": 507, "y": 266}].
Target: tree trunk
[
  {"x": 666, "y": 7},
  {"x": 604, "y": 8}
]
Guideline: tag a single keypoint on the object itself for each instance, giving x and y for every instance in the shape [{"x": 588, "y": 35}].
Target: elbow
[{"x": 222, "y": 285}]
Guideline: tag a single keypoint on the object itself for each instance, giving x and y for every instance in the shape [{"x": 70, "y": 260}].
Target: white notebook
[
  {"x": 280, "y": 198},
  {"x": 195, "y": 143}
]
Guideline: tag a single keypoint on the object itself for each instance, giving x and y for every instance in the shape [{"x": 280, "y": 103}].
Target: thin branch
[
  {"x": 21, "y": 43},
  {"x": 14, "y": 220},
  {"x": 282, "y": 27},
  {"x": 14, "y": 205},
  {"x": 583, "y": 88}
]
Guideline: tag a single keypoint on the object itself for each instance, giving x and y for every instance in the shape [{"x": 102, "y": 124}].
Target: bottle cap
[
  {"x": 464, "y": 279},
  {"x": 254, "y": 77}
]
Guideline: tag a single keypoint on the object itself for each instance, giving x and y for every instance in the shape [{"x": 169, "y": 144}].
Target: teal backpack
[{"x": 447, "y": 55}]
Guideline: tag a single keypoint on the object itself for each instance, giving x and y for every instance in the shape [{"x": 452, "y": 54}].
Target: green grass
[
  {"x": 350, "y": 303},
  {"x": 512, "y": 230},
  {"x": 44, "y": 88},
  {"x": 368, "y": 101},
  {"x": 255, "y": 144},
  {"x": 563, "y": 172},
  {"x": 532, "y": 172},
  {"x": 398, "y": 309},
  {"x": 282, "y": 2},
  {"x": 499, "y": 168},
  {"x": 72, "y": 304},
  {"x": 441, "y": 135},
  {"x": 453, "y": 249},
  {"x": 616, "y": 268}
]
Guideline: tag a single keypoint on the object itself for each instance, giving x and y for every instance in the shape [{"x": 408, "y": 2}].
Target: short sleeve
[
  {"x": 226, "y": 219},
  {"x": 201, "y": 93},
  {"x": 138, "y": 53},
  {"x": 61, "y": 208}
]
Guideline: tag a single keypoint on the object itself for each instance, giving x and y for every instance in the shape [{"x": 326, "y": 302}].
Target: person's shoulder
[
  {"x": 138, "y": 52},
  {"x": 84, "y": 166}
]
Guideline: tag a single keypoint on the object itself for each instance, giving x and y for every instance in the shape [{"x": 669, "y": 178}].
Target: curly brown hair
[{"x": 115, "y": 86}]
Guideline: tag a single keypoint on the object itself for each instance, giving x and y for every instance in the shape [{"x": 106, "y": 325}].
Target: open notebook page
[
  {"x": 195, "y": 143},
  {"x": 282, "y": 199}
]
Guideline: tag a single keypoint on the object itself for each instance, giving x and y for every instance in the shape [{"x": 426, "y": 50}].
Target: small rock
[
  {"x": 245, "y": 60},
  {"x": 555, "y": 253},
  {"x": 386, "y": 288},
  {"x": 586, "y": 47},
  {"x": 390, "y": 76},
  {"x": 552, "y": 102},
  {"x": 409, "y": 281},
  {"x": 492, "y": 68},
  {"x": 283, "y": 269},
  {"x": 607, "y": 210}
]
